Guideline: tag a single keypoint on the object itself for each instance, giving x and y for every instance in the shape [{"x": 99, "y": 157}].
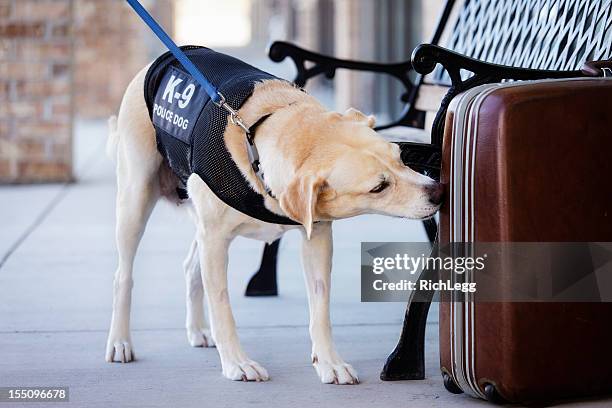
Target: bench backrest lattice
[{"x": 537, "y": 34}]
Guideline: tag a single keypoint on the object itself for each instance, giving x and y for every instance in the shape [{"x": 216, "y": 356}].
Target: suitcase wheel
[
  {"x": 450, "y": 384},
  {"x": 492, "y": 395}
]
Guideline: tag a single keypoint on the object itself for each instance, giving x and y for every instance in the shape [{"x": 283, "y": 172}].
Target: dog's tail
[{"x": 113, "y": 138}]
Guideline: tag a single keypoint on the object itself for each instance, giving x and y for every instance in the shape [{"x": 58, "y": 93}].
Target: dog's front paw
[
  {"x": 200, "y": 338},
  {"x": 120, "y": 350},
  {"x": 246, "y": 370},
  {"x": 334, "y": 371}
]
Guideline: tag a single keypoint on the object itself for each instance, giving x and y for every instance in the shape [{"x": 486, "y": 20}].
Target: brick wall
[
  {"x": 61, "y": 60},
  {"x": 36, "y": 72},
  {"x": 111, "y": 46}
]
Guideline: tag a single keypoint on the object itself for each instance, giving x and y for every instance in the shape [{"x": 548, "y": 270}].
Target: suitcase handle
[{"x": 601, "y": 68}]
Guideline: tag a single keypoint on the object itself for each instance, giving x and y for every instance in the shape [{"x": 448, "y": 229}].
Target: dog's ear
[
  {"x": 299, "y": 200},
  {"x": 359, "y": 116}
]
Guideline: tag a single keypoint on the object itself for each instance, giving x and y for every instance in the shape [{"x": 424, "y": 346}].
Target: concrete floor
[{"x": 55, "y": 305}]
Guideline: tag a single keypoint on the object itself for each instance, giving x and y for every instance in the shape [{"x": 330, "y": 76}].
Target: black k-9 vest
[{"x": 189, "y": 127}]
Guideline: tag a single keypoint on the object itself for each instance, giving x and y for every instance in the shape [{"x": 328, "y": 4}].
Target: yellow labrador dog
[{"x": 319, "y": 165}]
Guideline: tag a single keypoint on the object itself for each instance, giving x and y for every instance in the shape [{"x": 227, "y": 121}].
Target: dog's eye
[{"x": 379, "y": 188}]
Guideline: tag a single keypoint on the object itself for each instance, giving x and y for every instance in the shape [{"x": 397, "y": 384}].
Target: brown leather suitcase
[{"x": 527, "y": 162}]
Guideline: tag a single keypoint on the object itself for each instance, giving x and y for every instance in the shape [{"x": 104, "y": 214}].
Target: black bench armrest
[
  {"x": 422, "y": 157},
  {"x": 322, "y": 64},
  {"x": 426, "y": 56}
]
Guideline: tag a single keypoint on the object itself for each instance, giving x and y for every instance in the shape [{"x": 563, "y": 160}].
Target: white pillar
[{"x": 355, "y": 33}]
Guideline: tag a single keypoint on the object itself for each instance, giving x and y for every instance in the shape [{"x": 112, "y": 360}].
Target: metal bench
[
  {"x": 535, "y": 34},
  {"x": 484, "y": 41}
]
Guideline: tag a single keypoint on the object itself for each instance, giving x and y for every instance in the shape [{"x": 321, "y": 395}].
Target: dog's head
[{"x": 347, "y": 169}]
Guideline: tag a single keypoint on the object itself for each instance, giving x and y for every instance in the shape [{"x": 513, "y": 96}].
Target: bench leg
[
  {"x": 263, "y": 282},
  {"x": 407, "y": 361},
  {"x": 431, "y": 229}
]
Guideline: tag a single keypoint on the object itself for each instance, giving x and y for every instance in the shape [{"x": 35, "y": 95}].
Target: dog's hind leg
[
  {"x": 317, "y": 260},
  {"x": 138, "y": 189},
  {"x": 135, "y": 201},
  {"x": 198, "y": 332}
]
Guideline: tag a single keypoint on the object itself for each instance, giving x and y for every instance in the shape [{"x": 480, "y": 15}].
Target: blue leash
[
  {"x": 216, "y": 97},
  {"x": 210, "y": 89}
]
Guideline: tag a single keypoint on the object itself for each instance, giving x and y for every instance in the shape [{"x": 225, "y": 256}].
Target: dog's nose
[{"x": 435, "y": 192}]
